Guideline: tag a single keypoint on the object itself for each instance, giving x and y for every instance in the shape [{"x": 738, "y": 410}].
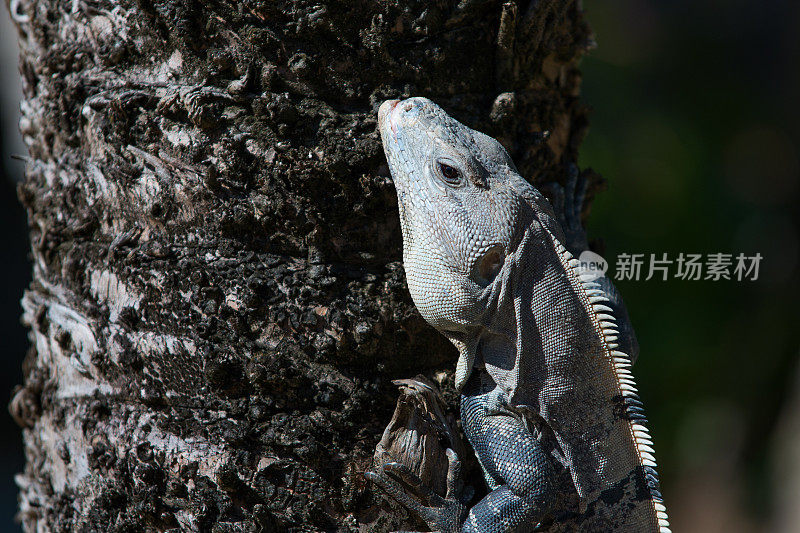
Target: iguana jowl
[{"x": 544, "y": 351}]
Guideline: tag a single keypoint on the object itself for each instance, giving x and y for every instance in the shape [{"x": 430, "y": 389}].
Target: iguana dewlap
[{"x": 543, "y": 369}]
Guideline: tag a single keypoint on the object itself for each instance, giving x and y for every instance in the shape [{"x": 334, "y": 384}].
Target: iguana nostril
[
  {"x": 408, "y": 106},
  {"x": 491, "y": 263}
]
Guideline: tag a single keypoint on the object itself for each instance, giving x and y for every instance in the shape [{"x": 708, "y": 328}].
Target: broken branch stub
[{"x": 420, "y": 432}]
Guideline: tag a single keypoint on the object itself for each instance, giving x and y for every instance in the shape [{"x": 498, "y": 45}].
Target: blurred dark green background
[{"x": 695, "y": 127}]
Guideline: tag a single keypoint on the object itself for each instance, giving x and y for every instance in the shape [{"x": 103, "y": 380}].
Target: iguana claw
[{"x": 441, "y": 514}]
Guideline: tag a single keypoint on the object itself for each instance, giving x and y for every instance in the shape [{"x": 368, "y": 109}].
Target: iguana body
[{"x": 542, "y": 368}]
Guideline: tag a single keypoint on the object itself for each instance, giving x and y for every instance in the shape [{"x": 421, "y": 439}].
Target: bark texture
[{"x": 218, "y": 305}]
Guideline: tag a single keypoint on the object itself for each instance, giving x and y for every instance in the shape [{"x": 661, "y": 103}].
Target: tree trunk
[{"x": 218, "y": 305}]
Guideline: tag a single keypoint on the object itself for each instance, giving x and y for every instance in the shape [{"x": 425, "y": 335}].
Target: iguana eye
[{"x": 449, "y": 174}]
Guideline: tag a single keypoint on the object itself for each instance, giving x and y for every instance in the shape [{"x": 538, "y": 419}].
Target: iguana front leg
[{"x": 518, "y": 471}]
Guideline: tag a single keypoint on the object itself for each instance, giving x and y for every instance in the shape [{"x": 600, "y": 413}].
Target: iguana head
[{"x": 461, "y": 205}]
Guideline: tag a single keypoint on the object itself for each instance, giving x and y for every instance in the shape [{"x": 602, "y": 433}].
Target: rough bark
[{"x": 218, "y": 305}]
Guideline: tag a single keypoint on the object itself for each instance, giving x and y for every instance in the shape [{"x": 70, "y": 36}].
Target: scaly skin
[{"x": 544, "y": 351}]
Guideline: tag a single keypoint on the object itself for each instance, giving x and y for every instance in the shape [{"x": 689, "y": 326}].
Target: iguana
[{"x": 545, "y": 350}]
